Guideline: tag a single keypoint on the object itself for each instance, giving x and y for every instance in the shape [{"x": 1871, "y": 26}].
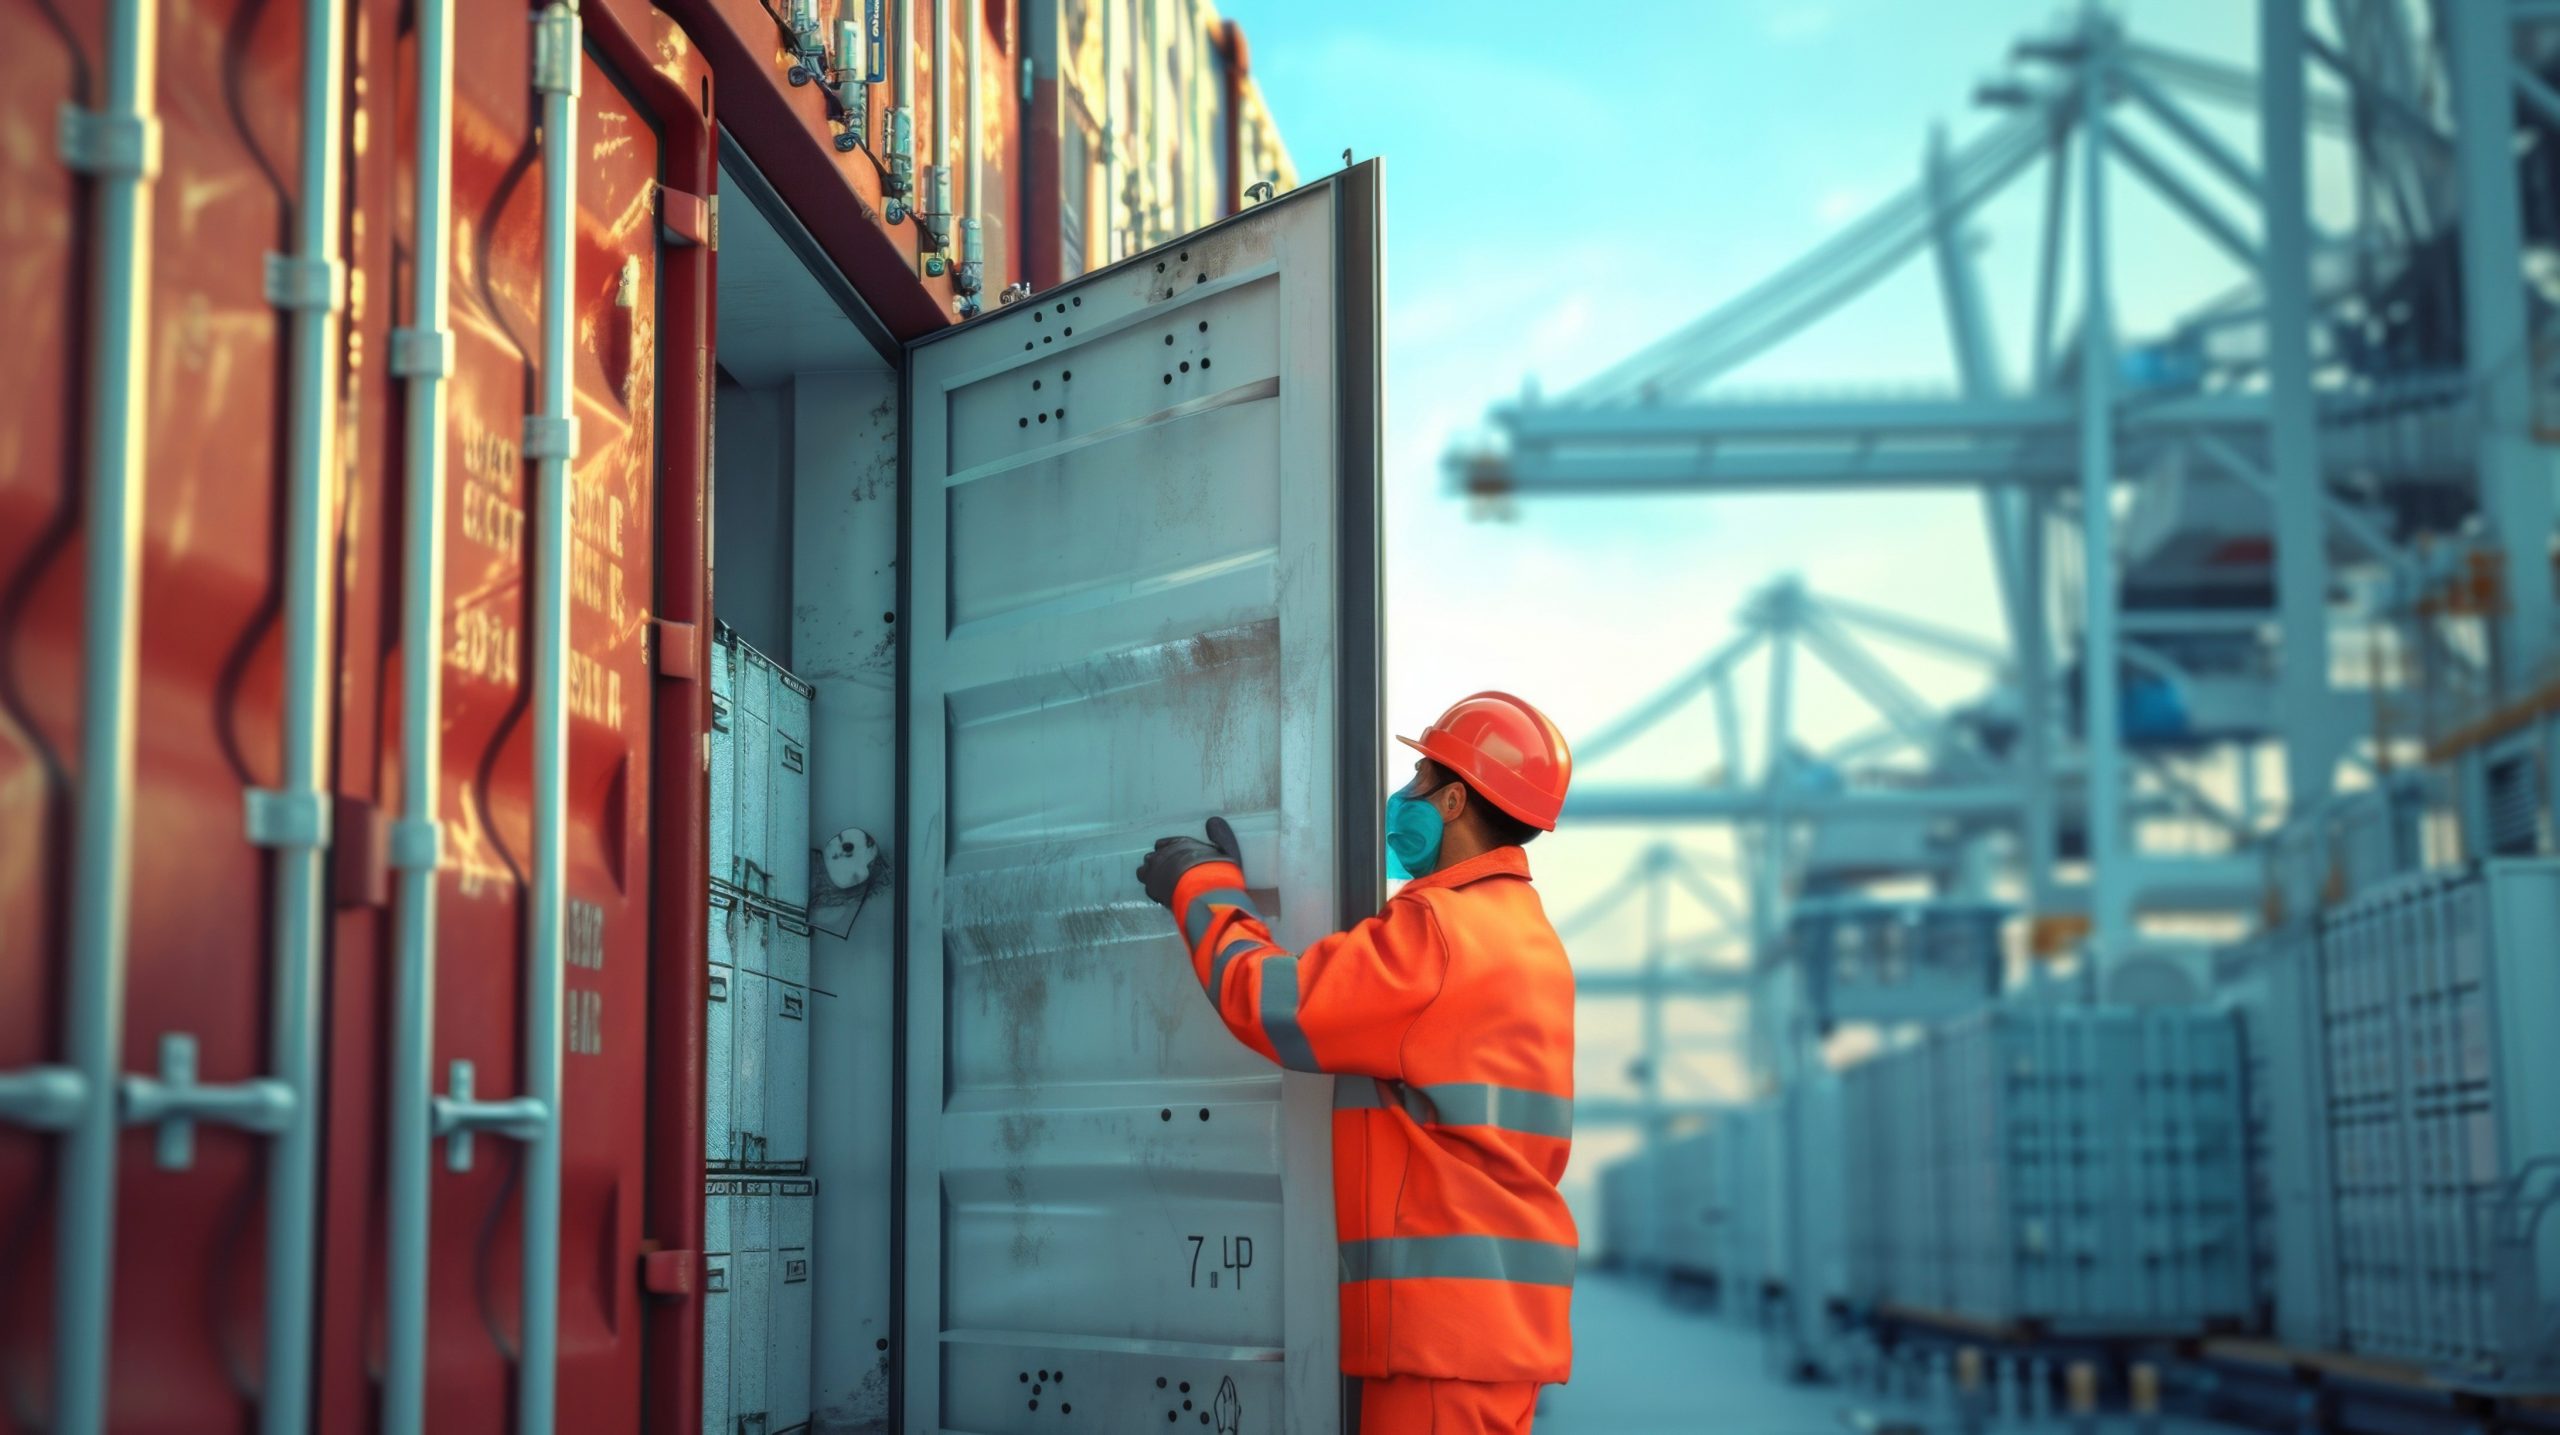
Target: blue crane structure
[
  {"x": 2183, "y": 521},
  {"x": 2409, "y": 459}
]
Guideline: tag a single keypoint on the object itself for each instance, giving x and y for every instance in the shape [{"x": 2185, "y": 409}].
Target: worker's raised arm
[{"x": 1341, "y": 1006}]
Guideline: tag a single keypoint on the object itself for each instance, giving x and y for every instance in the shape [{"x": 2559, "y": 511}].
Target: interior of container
[
  {"x": 1129, "y": 611},
  {"x": 804, "y": 549}
]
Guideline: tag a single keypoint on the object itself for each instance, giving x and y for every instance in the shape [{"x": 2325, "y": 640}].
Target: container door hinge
[
  {"x": 673, "y": 1274},
  {"x": 679, "y": 650},
  {"x": 359, "y": 854},
  {"x": 689, "y": 220},
  {"x": 458, "y": 1116},
  {"x": 108, "y": 146},
  {"x": 287, "y": 819},
  {"x": 42, "y": 1098},
  {"x": 555, "y": 49},
  {"x": 174, "y": 1101}
]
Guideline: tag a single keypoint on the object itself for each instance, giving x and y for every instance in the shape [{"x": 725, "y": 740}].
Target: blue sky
[{"x": 1560, "y": 193}]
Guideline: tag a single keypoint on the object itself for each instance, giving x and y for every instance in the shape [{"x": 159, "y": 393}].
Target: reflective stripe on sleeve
[
  {"x": 1280, "y": 1014},
  {"x": 1196, "y": 917},
  {"x": 1461, "y": 1103},
  {"x": 1361, "y": 1093},
  {"x": 1471, "y": 1258},
  {"x": 1477, "y": 1103},
  {"x": 1226, "y": 954}
]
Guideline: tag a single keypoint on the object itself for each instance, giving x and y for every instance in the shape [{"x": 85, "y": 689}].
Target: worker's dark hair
[{"x": 1507, "y": 830}]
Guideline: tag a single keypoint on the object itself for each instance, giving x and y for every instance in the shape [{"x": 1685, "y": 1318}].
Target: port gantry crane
[
  {"x": 2254, "y": 492},
  {"x": 1804, "y": 943},
  {"x": 2350, "y": 431}
]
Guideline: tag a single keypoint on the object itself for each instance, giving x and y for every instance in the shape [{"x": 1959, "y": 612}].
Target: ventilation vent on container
[{"x": 2515, "y": 806}]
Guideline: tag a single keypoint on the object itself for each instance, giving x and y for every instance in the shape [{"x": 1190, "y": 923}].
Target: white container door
[{"x": 1141, "y": 586}]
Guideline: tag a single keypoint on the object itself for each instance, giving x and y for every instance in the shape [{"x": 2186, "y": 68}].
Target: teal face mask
[{"x": 1413, "y": 835}]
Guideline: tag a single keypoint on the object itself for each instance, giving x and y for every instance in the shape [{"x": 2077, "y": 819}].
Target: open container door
[{"x": 1141, "y": 577}]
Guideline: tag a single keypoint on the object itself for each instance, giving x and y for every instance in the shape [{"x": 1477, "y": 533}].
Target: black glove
[{"x": 1162, "y": 868}]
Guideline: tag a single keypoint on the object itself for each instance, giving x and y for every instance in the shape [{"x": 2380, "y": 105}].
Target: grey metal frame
[
  {"x": 117, "y": 146},
  {"x": 423, "y": 354}
]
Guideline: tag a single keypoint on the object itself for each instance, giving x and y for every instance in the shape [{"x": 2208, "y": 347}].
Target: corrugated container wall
[
  {"x": 1709, "y": 1206},
  {"x": 421, "y": 676},
  {"x": 2072, "y": 1169},
  {"x": 279, "y": 508},
  {"x": 1818, "y": 1258},
  {"x": 1150, "y": 114},
  {"x": 2436, "y": 993}
]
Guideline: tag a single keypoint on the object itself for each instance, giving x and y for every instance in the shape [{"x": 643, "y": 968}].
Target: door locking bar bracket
[
  {"x": 174, "y": 1101},
  {"x": 458, "y": 1117},
  {"x": 42, "y": 1098},
  {"x": 102, "y": 145}
]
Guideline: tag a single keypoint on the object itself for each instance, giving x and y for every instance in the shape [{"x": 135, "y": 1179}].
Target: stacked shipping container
[
  {"x": 758, "y": 1270},
  {"x": 2065, "y": 1168},
  {"x": 274, "y": 716},
  {"x": 1712, "y": 1206},
  {"x": 1146, "y": 124},
  {"x": 2442, "y": 1113},
  {"x": 1664, "y": 1212},
  {"x": 497, "y": 237}
]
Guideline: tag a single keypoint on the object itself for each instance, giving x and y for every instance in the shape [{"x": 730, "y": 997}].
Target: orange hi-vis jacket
[{"x": 1448, "y": 1018}]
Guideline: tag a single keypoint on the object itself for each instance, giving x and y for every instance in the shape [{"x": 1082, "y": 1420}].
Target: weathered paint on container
[
  {"x": 209, "y": 699},
  {"x": 1137, "y": 595},
  {"x": 486, "y": 809},
  {"x": 188, "y": 1259},
  {"x": 54, "y": 49},
  {"x": 636, "y": 1024}
]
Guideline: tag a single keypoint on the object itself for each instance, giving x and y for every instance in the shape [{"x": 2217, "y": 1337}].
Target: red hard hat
[{"x": 1506, "y": 750}]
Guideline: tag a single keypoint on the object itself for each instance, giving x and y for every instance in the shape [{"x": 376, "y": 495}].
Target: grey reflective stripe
[
  {"x": 1477, "y": 1103},
  {"x": 1359, "y": 1093},
  {"x": 1461, "y": 1103},
  {"x": 1466, "y": 1258},
  {"x": 1226, "y": 954},
  {"x": 1196, "y": 917},
  {"x": 1280, "y": 1014}
]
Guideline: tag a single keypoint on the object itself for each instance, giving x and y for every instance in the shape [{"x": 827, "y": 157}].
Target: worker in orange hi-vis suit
[{"x": 1448, "y": 1018}]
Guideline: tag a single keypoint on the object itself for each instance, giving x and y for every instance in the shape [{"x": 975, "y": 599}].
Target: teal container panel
[
  {"x": 2436, "y": 997},
  {"x": 2077, "y": 1169}
]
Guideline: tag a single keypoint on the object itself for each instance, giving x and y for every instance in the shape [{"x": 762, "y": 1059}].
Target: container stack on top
[{"x": 757, "y": 1196}]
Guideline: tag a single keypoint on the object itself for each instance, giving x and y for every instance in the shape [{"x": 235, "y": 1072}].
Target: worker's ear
[{"x": 1451, "y": 799}]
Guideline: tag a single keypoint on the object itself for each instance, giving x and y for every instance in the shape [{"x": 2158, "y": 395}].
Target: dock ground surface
[{"x": 1645, "y": 1365}]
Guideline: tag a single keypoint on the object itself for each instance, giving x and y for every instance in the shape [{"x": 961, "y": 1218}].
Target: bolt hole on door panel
[{"x": 1141, "y": 568}]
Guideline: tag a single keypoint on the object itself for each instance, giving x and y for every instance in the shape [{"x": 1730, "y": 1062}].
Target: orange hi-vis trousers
[{"x": 1411, "y": 1405}]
